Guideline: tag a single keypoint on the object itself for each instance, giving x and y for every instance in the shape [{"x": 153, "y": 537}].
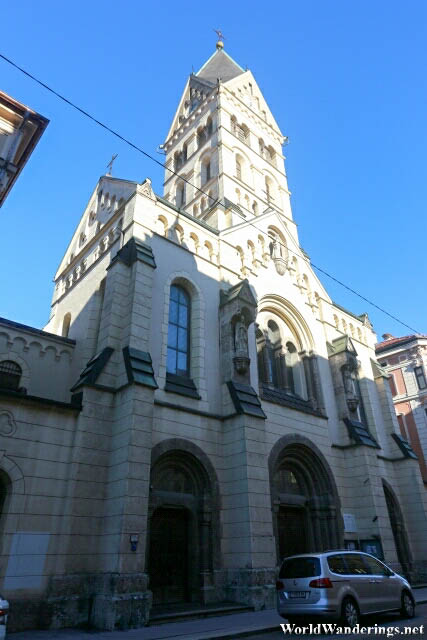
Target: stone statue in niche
[
  {"x": 275, "y": 249},
  {"x": 241, "y": 337},
  {"x": 348, "y": 373},
  {"x": 241, "y": 358}
]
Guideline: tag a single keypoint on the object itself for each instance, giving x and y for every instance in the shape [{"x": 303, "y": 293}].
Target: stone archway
[
  {"x": 183, "y": 528},
  {"x": 305, "y": 502},
  {"x": 398, "y": 529}
]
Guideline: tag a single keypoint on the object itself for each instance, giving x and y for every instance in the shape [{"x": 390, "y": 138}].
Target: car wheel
[
  {"x": 349, "y": 613},
  {"x": 407, "y": 608}
]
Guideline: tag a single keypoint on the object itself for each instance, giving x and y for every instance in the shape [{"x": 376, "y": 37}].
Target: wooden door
[
  {"x": 291, "y": 524},
  {"x": 168, "y": 556}
]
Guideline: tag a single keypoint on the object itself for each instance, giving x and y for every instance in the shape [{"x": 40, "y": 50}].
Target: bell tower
[{"x": 224, "y": 161}]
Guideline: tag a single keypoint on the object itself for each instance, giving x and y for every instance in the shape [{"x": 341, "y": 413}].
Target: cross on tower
[{"x": 110, "y": 164}]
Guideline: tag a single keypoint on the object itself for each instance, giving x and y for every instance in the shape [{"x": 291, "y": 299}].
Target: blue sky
[{"x": 346, "y": 82}]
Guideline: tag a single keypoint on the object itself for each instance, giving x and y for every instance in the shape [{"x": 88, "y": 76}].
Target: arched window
[
  {"x": 233, "y": 122},
  {"x": 10, "y": 375},
  {"x": 243, "y": 133},
  {"x": 180, "y": 195},
  {"x": 176, "y": 161},
  {"x": 255, "y": 208},
  {"x": 206, "y": 170},
  {"x": 178, "y": 358},
  {"x": 201, "y": 137},
  {"x": 270, "y": 155},
  {"x": 279, "y": 366},
  {"x": 238, "y": 168},
  {"x": 185, "y": 152},
  {"x": 66, "y": 325},
  {"x": 209, "y": 127},
  {"x": 269, "y": 189}
]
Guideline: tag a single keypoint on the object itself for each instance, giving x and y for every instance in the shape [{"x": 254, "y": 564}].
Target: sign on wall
[{"x": 350, "y": 525}]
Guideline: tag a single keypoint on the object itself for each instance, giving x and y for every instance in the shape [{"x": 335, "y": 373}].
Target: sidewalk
[{"x": 222, "y": 628}]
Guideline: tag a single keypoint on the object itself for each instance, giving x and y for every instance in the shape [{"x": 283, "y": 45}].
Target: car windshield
[{"x": 300, "y": 568}]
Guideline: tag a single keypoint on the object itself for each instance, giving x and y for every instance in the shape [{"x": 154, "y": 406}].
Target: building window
[
  {"x": 392, "y": 383},
  {"x": 209, "y": 127},
  {"x": 178, "y": 358},
  {"x": 276, "y": 363},
  {"x": 238, "y": 169},
  {"x": 206, "y": 171},
  {"x": 421, "y": 379},
  {"x": 268, "y": 190},
  {"x": 66, "y": 325},
  {"x": 180, "y": 195},
  {"x": 10, "y": 375}
]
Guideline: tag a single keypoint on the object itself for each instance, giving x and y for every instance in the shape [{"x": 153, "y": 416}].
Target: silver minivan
[{"x": 340, "y": 585}]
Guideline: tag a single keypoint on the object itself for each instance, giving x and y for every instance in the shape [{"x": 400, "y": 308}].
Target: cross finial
[
  {"x": 220, "y": 43},
  {"x": 110, "y": 164}
]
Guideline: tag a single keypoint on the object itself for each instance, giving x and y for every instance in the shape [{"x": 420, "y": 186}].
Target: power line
[{"x": 161, "y": 164}]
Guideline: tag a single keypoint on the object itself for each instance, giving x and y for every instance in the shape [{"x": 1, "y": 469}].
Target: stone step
[{"x": 195, "y": 613}]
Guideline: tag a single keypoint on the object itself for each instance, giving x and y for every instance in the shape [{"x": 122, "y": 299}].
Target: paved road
[{"x": 392, "y": 627}]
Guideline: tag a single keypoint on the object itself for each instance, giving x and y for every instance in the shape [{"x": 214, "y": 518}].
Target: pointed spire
[{"x": 219, "y": 66}]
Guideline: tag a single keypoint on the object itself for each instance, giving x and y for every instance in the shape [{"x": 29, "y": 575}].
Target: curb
[{"x": 245, "y": 633}]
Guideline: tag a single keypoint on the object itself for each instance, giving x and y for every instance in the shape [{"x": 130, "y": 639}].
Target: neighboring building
[
  {"x": 405, "y": 360},
  {"x": 197, "y": 407},
  {"x": 20, "y": 130}
]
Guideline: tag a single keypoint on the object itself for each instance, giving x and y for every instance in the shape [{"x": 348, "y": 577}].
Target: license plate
[{"x": 297, "y": 594}]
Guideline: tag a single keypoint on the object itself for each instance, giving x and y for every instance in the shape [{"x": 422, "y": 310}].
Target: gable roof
[{"x": 220, "y": 65}]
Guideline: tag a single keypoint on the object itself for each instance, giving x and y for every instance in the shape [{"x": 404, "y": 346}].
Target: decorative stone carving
[
  {"x": 145, "y": 189},
  {"x": 7, "y": 424},
  {"x": 237, "y": 312},
  {"x": 241, "y": 359},
  {"x": 281, "y": 265}
]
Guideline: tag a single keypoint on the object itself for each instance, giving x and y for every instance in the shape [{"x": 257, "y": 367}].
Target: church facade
[{"x": 197, "y": 406}]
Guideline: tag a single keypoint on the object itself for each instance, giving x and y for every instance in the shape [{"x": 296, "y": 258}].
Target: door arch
[
  {"x": 182, "y": 519},
  {"x": 398, "y": 529},
  {"x": 305, "y": 503}
]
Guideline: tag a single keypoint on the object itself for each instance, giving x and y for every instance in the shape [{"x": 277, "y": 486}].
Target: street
[{"x": 388, "y": 626}]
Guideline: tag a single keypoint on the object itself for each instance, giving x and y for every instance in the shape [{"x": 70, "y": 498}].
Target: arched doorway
[
  {"x": 305, "y": 503},
  {"x": 398, "y": 528},
  {"x": 180, "y": 549}
]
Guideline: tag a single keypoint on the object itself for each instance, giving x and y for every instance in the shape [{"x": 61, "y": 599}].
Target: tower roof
[{"x": 220, "y": 65}]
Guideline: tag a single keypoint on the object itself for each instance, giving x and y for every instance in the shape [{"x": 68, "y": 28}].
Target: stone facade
[{"x": 197, "y": 406}]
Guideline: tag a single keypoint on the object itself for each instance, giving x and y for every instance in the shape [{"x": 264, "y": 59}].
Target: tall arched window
[
  {"x": 180, "y": 195},
  {"x": 66, "y": 325},
  {"x": 238, "y": 168},
  {"x": 269, "y": 189},
  {"x": 10, "y": 375},
  {"x": 206, "y": 170},
  {"x": 279, "y": 365},
  {"x": 178, "y": 358},
  {"x": 201, "y": 137},
  {"x": 209, "y": 127}
]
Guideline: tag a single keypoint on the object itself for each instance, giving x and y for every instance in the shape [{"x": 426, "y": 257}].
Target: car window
[
  {"x": 337, "y": 565},
  {"x": 300, "y": 568},
  {"x": 355, "y": 565},
  {"x": 375, "y": 567}
]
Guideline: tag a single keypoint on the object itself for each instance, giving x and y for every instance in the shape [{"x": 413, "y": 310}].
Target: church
[{"x": 197, "y": 407}]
